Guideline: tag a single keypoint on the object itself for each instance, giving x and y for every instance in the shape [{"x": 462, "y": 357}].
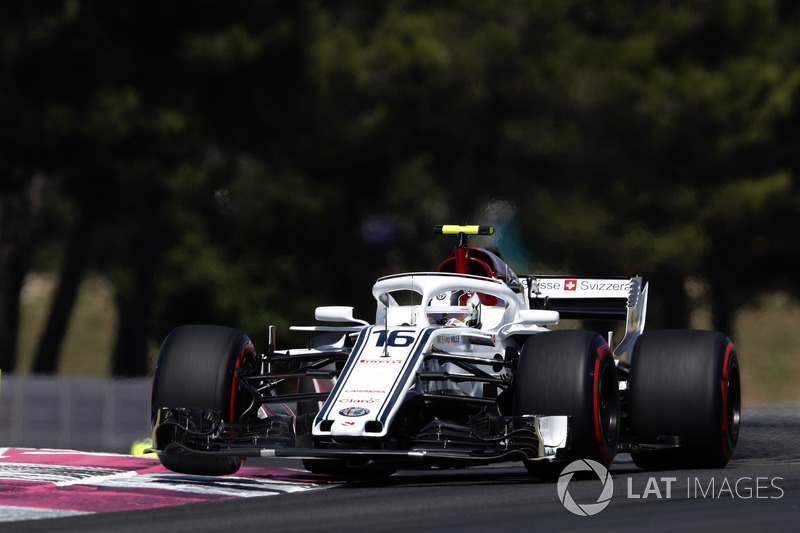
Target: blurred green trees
[{"x": 241, "y": 163}]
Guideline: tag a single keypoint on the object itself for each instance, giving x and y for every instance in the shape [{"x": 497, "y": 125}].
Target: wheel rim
[
  {"x": 236, "y": 407},
  {"x": 606, "y": 408},
  {"x": 238, "y": 395},
  {"x": 731, "y": 401}
]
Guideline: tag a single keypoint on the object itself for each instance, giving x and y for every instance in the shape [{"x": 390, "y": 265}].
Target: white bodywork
[{"x": 388, "y": 357}]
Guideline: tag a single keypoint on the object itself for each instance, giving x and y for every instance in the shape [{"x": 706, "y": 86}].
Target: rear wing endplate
[{"x": 594, "y": 298}]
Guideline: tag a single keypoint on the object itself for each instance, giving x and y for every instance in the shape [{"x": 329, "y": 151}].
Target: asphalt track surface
[{"x": 758, "y": 491}]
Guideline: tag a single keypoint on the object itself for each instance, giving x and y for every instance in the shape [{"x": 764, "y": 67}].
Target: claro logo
[{"x": 586, "y": 509}]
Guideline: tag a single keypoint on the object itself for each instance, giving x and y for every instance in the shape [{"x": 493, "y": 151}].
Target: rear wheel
[
  {"x": 685, "y": 388},
  {"x": 196, "y": 369},
  {"x": 569, "y": 372}
]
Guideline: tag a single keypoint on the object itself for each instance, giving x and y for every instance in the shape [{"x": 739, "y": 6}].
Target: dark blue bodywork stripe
[
  {"x": 348, "y": 368},
  {"x": 410, "y": 366}
]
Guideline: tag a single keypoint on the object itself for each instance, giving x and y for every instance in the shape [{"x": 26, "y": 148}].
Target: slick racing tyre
[
  {"x": 195, "y": 369},
  {"x": 684, "y": 389},
  {"x": 568, "y": 372}
]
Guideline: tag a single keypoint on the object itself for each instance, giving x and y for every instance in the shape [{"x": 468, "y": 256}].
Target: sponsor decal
[
  {"x": 582, "y": 285},
  {"x": 593, "y": 285},
  {"x": 546, "y": 286},
  {"x": 354, "y": 411},
  {"x": 360, "y": 400},
  {"x": 384, "y": 361},
  {"x": 448, "y": 339},
  {"x": 349, "y": 423},
  {"x": 364, "y": 391}
]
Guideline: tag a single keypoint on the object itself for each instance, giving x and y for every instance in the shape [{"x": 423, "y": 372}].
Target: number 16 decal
[{"x": 398, "y": 338}]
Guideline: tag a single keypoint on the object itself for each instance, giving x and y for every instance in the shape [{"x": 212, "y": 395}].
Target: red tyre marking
[
  {"x": 597, "y": 433},
  {"x": 727, "y": 445},
  {"x": 602, "y": 351},
  {"x": 247, "y": 347}
]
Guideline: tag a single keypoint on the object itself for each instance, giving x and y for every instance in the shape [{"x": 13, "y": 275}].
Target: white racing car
[{"x": 458, "y": 368}]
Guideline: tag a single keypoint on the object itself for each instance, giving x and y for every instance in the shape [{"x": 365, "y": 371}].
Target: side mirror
[
  {"x": 337, "y": 313},
  {"x": 539, "y": 317}
]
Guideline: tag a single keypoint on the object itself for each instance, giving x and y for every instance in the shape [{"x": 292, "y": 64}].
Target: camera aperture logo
[{"x": 586, "y": 509}]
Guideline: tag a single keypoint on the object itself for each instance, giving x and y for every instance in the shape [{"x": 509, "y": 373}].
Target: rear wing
[
  {"x": 594, "y": 298},
  {"x": 584, "y": 297}
]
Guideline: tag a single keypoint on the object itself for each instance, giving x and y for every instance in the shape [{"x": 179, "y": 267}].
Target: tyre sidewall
[
  {"x": 681, "y": 384},
  {"x": 196, "y": 369},
  {"x": 561, "y": 373},
  {"x": 196, "y": 366}
]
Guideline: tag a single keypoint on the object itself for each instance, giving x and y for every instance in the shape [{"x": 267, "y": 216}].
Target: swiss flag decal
[{"x": 570, "y": 284}]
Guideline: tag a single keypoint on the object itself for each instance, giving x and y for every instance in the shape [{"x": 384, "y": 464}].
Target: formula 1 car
[{"x": 458, "y": 369}]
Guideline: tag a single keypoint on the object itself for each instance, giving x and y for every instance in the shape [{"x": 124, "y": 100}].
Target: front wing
[{"x": 485, "y": 440}]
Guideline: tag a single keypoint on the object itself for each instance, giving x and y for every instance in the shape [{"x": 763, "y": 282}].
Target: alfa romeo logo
[
  {"x": 354, "y": 411},
  {"x": 587, "y": 509}
]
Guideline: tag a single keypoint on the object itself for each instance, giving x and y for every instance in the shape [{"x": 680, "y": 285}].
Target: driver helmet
[{"x": 455, "y": 308}]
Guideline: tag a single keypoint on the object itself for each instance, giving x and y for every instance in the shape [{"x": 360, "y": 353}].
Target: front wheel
[
  {"x": 196, "y": 369},
  {"x": 568, "y": 372}
]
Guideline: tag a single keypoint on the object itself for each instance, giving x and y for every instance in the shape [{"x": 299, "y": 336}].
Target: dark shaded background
[{"x": 239, "y": 163}]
